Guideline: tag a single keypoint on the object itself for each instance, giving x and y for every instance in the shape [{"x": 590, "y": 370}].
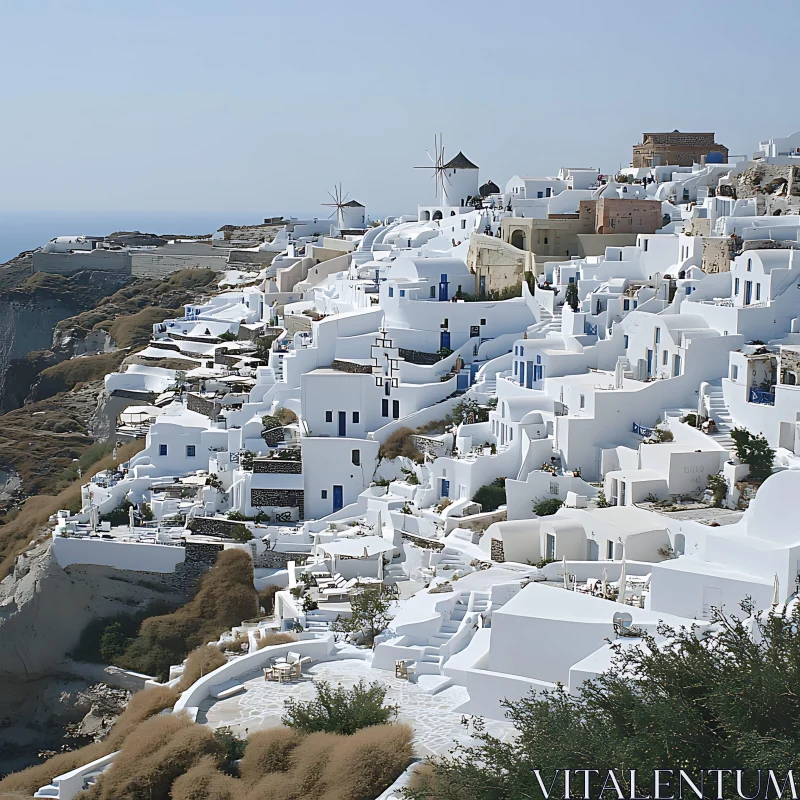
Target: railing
[
  {"x": 640, "y": 430},
  {"x": 761, "y": 397},
  {"x": 590, "y": 330}
]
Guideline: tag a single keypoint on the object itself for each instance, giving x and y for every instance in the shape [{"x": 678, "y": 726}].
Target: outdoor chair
[
  {"x": 340, "y": 591},
  {"x": 324, "y": 583}
]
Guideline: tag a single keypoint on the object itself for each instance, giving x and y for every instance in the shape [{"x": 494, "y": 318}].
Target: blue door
[
  {"x": 521, "y": 373},
  {"x": 462, "y": 381},
  {"x": 445, "y": 488},
  {"x": 748, "y": 292},
  {"x": 338, "y": 498},
  {"x": 342, "y": 423},
  {"x": 529, "y": 383},
  {"x": 444, "y": 340},
  {"x": 443, "y": 288},
  {"x": 649, "y": 363}
]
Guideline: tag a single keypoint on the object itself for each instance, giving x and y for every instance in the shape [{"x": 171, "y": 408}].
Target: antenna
[
  {"x": 437, "y": 165},
  {"x": 339, "y": 201}
]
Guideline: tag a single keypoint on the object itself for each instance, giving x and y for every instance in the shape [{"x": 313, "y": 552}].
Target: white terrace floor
[{"x": 436, "y": 724}]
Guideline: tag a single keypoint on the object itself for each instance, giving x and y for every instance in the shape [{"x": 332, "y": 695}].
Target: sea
[{"x": 26, "y": 230}]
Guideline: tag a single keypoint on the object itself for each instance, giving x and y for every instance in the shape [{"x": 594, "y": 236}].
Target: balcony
[{"x": 760, "y": 397}]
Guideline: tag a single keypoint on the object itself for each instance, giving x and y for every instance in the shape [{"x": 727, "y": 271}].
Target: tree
[
  {"x": 370, "y": 614},
  {"x": 113, "y": 642},
  {"x": 704, "y": 700},
  {"x": 340, "y": 710},
  {"x": 755, "y": 451},
  {"x": 491, "y": 496},
  {"x": 571, "y": 296}
]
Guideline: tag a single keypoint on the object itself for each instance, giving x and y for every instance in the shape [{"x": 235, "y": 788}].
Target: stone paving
[{"x": 436, "y": 724}]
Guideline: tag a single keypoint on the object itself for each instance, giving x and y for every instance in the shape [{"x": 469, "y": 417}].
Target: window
[
  {"x": 749, "y": 264},
  {"x": 463, "y": 224},
  {"x": 758, "y": 291},
  {"x": 545, "y": 240},
  {"x": 324, "y": 494},
  {"x": 384, "y": 408},
  {"x": 635, "y": 303},
  {"x": 664, "y": 357},
  {"x": 355, "y": 457},
  {"x": 387, "y": 387},
  {"x": 391, "y": 291},
  {"x": 516, "y": 367},
  {"x": 522, "y": 351},
  {"x": 626, "y": 304},
  {"x": 483, "y": 322},
  {"x": 609, "y": 549},
  {"x": 356, "y": 416},
  {"x": 516, "y": 350},
  {"x": 736, "y": 286},
  {"x": 645, "y": 245},
  {"x": 582, "y": 403},
  {"x": 162, "y": 449},
  {"x": 625, "y": 341},
  {"x": 190, "y": 451},
  {"x": 433, "y": 291},
  {"x": 402, "y": 293},
  {"x": 548, "y": 192},
  {"x": 396, "y": 409},
  {"x": 539, "y": 194},
  {"x": 572, "y": 280},
  {"x": 538, "y": 359},
  {"x": 445, "y": 322},
  {"x": 658, "y": 335},
  {"x": 329, "y": 416},
  {"x": 734, "y": 372},
  {"x": 553, "y": 487},
  {"x": 550, "y": 547}
]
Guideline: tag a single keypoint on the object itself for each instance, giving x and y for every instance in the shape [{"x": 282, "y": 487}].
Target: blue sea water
[{"x": 25, "y": 230}]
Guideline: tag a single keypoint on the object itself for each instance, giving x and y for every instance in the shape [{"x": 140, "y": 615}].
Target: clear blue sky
[{"x": 261, "y": 107}]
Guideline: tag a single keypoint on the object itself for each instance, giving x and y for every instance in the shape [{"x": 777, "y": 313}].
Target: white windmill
[
  {"x": 439, "y": 175},
  {"x": 350, "y": 214}
]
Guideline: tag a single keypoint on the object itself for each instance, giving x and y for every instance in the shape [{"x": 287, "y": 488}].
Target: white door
[{"x": 712, "y": 598}]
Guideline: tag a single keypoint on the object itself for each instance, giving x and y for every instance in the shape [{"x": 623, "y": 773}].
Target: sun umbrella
[
  {"x": 605, "y": 582},
  {"x": 566, "y": 574},
  {"x": 130, "y": 518},
  {"x": 776, "y": 597},
  {"x": 622, "y": 577}
]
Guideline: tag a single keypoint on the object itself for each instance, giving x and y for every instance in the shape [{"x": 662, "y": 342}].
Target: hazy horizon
[{"x": 194, "y": 108}]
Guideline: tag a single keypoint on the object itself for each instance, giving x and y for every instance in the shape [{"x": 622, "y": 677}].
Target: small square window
[
  {"x": 190, "y": 451},
  {"x": 324, "y": 494},
  {"x": 402, "y": 293},
  {"x": 329, "y": 416},
  {"x": 162, "y": 449},
  {"x": 483, "y": 322},
  {"x": 356, "y": 417}
]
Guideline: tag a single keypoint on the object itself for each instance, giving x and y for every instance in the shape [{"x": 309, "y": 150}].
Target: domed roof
[{"x": 490, "y": 187}]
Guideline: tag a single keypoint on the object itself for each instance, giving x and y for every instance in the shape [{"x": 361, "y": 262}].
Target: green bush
[
  {"x": 491, "y": 496},
  {"x": 369, "y": 614},
  {"x": 546, "y": 508},
  {"x": 120, "y": 515},
  {"x": 340, "y": 710},
  {"x": 755, "y": 451},
  {"x": 240, "y": 533},
  {"x": 719, "y": 487}
]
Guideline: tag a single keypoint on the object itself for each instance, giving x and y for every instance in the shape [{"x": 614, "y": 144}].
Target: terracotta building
[{"x": 680, "y": 149}]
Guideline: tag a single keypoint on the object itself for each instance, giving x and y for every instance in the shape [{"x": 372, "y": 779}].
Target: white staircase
[
  {"x": 718, "y": 411},
  {"x": 549, "y": 323}
]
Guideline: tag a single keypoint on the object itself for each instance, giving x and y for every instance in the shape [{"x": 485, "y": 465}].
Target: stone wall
[
  {"x": 275, "y": 466},
  {"x": 428, "y": 444},
  {"x": 418, "y": 357},
  {"x": 207, "y": 406},
  {"x": 290, "y": 498},
  {"x": 351, "y": 367},
  {"x": 497, "y": 550},
  {"x": 273, "y": 437},
  {"x": 717, "y": 253},
  {"x": 421, "y": 541},
  {"x": 496, "y": 264},
  {"x": 213, "y": 526},
  {"x": 70, "y": 263}
]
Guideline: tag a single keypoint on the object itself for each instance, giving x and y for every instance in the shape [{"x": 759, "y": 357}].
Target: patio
[{"x": 435, "y": 718}]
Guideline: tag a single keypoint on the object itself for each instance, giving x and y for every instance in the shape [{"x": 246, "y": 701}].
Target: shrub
[
  {"x": 201, "y": 661},
  {"x": 276, "y": 638},
  {"x": 399, "y": 443},
  {"x": 491, "y": 496},
  {"x": 367, "y": 763},
  {"x": 339, "y": 710},
  {"x": 546, "y": 508},
  {"x": 120, "y": 515},
  {"x": 157, "y": 753},
  {"x": 469, "y": 406},
  {"x": 266, "y": 599},
  {"x": 141, "y": 706},
  {"x": 719, "y": 487},
  {"x": 571, "y": 296},
  {"x": 267, "y": 752},
  {"x": 602, "y": 500},
  {"x": 205, "y": 782},
  {"x": 225, "y": 598},
  {"x": 240, "y": 533},
  {"x": 232, "y": 745},
  {"x": 690, "y": 419}
]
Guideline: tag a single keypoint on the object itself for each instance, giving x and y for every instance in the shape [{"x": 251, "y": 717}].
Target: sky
[{"x": 261, "y": 107}]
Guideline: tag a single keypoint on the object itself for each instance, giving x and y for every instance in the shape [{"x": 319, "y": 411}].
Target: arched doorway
[
  {"x": 425, "y": 216},
  {"x": 518, "y": 240},
  {"x": 437, "y": 215}
]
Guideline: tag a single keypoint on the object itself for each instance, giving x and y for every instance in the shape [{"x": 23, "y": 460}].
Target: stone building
[{"x": 680, "y": 149}]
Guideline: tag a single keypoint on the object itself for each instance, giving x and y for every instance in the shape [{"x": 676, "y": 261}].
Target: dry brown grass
[
  {"x": 154, "y": 756},
  {"x": 367, "y": 762},
  {"x": 276, "y": 638},
  {"x": 201, "y": 661},
  {"x": 267, "y": 752},
  {"x": 399, "y": 444},
  {"x": 205, "y": 782},
  {"x": 225, "y": 598},
  {"x": 14, "y": 536},
  {"x": 141, "y": 706}
]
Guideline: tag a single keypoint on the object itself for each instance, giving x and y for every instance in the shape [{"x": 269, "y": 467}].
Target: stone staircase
[{"x": 718, "y": 411}]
